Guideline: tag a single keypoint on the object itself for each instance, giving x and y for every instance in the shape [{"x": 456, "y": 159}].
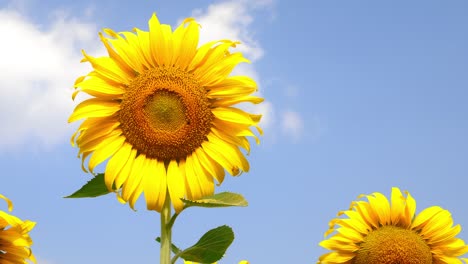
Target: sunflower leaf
[
  {"x": 211, "y": 246},
  {"x": 93, "y": 188},
  {"x": 224, "y": 199},
  {"x": 174, "y": 248}
]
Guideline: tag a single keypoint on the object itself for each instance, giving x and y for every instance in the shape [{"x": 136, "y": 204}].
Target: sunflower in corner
[
  {"x": 377, "y": 232},
  {"x": 15, "y": 242}
]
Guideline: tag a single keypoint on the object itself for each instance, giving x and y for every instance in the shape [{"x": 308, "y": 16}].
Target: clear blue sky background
[{"x": 360, "y": 96}]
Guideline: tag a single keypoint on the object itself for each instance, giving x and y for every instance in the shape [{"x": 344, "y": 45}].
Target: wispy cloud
[
  {"x": 292, "y": 124},
  {"x": 230, "y": 20},
  {"x": 284, "y": 119},
  {"x": 38, "y": 68}
]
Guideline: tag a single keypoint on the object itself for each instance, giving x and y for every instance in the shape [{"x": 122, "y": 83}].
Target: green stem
[
  {"x": 166, "y": 232},
  {"x": 171, "y": 222},
  {"x": 174, "y": 259}
]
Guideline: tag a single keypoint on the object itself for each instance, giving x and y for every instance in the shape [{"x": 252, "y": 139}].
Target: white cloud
[
  {"x": 292, "y": 124},
  {"x": 268, "y": 114},
  {"x": 231, "y": 20},
  {"x": 38, "y": 69}
]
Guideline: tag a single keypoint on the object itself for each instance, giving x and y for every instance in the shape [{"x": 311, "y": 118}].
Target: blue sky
[{"x": 360, "y": 96}]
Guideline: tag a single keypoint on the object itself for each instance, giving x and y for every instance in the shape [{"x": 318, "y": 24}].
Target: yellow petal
[
  {"x": 192, "y": 182},
  {"x": 211, "y": 57},
  {"x": 239, "y": 130},
  {"x": 233, "y": 86},
  {"x": 151, "y": 186},
  {"x": 398, "y": 205},
  {"x": 9, "y": 203},
  {"x": 365, "y": 210},
  {"x": 144, "y": 172},
  {"x": 381, "y": 206},
  {"x": 213, "y": 168},
  {"x": 98, "y": 87},
  {"x": 201, "y": 55},
  {"x": 96, "y": 130},
  {"x": 212, "y": 151},
  {"x": 160, "y": 42},
  {"x": 343, "y": 247},
  {"x": 162, "y": 190},
  {"x": 410, "y": 209},
  {"x": 94, "y": 107},
  {"x": 236, "y": 100},
  {"x": 127, "y": 49},
  {"x": 362, "y": 225},
  {"x": 230, "y": 152},
  {"x": 176, "y": 185},
  {"x": 108, "y": 68},
  {"x": 233, "y": 140},
  {"x": 436, "y": 224},
  {"x": 204, "y": 178},
  {"x": 144, "y": 50},
  {"x": 425, "y": 216},
  {"x": 116, "y": 163},
  {"x": 186, "y": 41},
  {"x": 168, "y": 55},
  {"x": 91, "y": 145},
  {"x": 105, "y": 151},
  {"x": 233, "y": 115},
  {"x": 448, "y": 232},
  {"x": 354, "y": 224},
  {"x": 123, "y": 64},
  {"x": 351, "y": 234},
  {"x": 335, "y": 257},
  {"x": 124, "y": 174},
  {"x": 134, "y": 178},
  {"x": 217, "y": 73}
]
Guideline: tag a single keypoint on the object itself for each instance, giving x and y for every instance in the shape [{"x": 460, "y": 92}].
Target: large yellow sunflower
[
  {"x": 162, "y": 113},
  {"x": 377, "y": 232},
  {"x": 15, "y": 242}
]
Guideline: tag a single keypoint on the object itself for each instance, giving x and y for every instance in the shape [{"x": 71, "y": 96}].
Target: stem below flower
[{"x": 166, "y": 232}]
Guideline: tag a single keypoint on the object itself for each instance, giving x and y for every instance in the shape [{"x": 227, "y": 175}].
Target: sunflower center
[
  {"x": 165, "y": 114},
  {"x": 393, "y": 245},
  {"x": 166, "y": 111}
]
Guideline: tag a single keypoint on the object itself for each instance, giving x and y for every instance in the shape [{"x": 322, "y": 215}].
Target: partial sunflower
[
  {"x": 162, "y": 111},
  {"x": 377, "y": 232},
  {"x": 15, "y": 243}
]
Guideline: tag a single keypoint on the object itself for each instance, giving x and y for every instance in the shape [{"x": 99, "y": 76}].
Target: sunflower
[
  {"x": 377, "y": 232},
  {"x": 15, "y": 242},
  {"x": 162, "y": 112}
]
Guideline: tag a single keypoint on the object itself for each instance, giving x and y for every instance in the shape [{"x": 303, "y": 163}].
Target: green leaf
[
  {"x": 94, "y": 188},
  {"x": 174, "y": 248},
  {"x": 211, "y": 246},
  {"x": 224, "y": 199}
]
